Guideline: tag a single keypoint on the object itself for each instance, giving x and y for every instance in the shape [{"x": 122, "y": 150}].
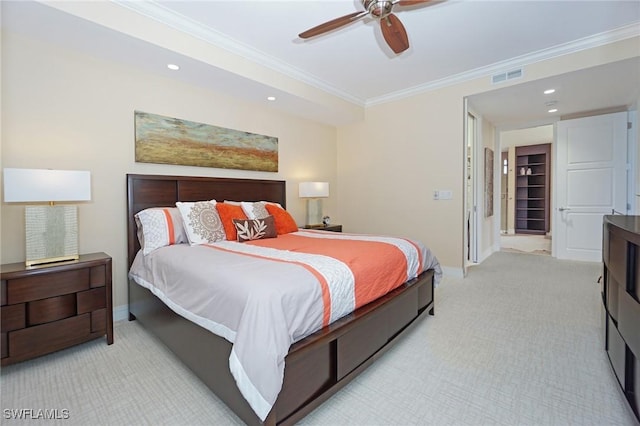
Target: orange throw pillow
[
  {"x": 284, "y": 221},
  {"x": 227, "y": 213}
]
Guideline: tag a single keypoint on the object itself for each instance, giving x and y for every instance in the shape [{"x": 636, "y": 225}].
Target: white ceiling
[{"x": 450, "y": 41}]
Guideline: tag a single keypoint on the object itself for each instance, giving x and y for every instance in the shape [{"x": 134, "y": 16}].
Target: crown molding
[
  {"x": 608, "y": 37},
  {"x": 166, "y": 16}
]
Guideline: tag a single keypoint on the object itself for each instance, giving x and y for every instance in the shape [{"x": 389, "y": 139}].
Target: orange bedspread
[{"x": 378, "y": 267}]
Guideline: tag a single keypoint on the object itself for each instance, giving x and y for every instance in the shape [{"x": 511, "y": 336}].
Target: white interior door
[{"x": 591, "y": 167}]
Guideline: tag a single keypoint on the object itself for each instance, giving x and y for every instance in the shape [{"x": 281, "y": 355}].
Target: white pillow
[
  {"x": 159, "y": 227},
  {"x": 201, "y": 222}
]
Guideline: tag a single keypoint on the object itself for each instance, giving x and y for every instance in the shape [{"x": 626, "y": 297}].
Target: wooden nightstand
[
  {"x": 332, "y": 228},
  {"x": 48, "y": 308}
]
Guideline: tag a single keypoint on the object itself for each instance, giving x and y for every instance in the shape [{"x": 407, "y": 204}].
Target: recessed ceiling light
[
  {"x": 549, "y": 91},
  {"x": 271, "y": 98},
  {"x": 173, "y": 67},
  {"x": 553, "y": 110}
]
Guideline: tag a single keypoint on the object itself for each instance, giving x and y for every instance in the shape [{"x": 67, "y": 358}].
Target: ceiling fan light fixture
[{"x": 378, "y": 8}]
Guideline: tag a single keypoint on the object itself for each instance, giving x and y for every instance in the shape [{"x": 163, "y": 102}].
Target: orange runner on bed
[{"x": 377, "y": 267}]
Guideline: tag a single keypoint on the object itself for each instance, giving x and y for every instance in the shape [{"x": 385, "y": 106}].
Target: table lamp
[
  {"x": 314, "y": 192},
  {"x": 51, "y": 231}
]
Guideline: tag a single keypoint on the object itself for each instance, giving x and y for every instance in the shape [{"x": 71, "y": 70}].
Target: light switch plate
[{"x": 445, "y": 194}]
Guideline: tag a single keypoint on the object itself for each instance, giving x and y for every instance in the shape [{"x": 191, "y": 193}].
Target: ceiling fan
[{"x": 392, "y": 29}]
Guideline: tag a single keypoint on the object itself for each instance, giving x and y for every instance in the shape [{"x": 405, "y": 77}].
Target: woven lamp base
[{"x": 51, "y": 234}]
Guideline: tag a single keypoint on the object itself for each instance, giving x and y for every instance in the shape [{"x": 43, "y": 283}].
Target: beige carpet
[
  {"x": 521, "y": 243},
  {"x": 517, "y": 342}
]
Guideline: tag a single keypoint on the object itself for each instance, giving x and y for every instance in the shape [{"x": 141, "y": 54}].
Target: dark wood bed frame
[{"x": 317, "y": 366}]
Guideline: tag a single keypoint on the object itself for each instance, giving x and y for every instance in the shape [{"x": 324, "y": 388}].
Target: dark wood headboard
[{"x": 144, "y": 191}]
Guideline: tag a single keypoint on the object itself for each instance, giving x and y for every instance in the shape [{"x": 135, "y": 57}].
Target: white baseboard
[
  {"x": 484, "y": 255},
  {"x": 121, "y": 313},
  {"x": 452, "y": 272}
]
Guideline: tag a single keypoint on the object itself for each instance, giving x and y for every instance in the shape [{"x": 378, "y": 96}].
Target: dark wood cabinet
[
  {"x": 51, "y": 307},
  {"x": 532, "y": 189},
  {"x": 332, "y": 228},
  {"x": 621, "y": 299}
]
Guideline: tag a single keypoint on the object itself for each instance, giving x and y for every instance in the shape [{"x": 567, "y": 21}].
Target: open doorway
[{"x": 525, "y": 189}]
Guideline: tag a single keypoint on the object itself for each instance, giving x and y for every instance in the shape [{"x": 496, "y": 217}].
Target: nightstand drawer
[
  {"x": 42, "y": 339},
  {"x": 13, "y": 317},
  {"x": 98, "y": 276},
  {"x": 4, "y": 346},
  {"x": 51, "y": 309},
  {"x": 47, "y": 285},
  {"x": 99, "y": 320},
  {"x": 91, "y": 300}
]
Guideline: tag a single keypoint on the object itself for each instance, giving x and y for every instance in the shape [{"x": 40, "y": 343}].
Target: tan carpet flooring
[
  {"x": 519, "y": 243},
  {"x": 517, "y": 342}
]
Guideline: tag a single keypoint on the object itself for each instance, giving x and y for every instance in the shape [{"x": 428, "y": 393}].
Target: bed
[{"x": 316, "y": 366}]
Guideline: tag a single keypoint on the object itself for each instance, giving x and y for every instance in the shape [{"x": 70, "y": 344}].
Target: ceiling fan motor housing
[{"x": 378, "y": 8}]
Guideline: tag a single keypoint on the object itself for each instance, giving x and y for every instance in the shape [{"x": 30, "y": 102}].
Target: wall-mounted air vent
[{"x": 504, "y": 76}]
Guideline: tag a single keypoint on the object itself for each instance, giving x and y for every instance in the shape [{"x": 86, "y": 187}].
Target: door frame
[
  {"x": 471, "y": 224},
  {"x": 632, "y": 161}
]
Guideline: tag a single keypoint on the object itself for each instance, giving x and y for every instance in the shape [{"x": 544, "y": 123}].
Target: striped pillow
[{"x": 159, "y": 227}]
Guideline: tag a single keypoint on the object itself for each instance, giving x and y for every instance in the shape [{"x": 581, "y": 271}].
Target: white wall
[
  {"x": 390, "y": 164},
  {"x": 529, "y": 136},
  {"x": 64, "y": 110}
]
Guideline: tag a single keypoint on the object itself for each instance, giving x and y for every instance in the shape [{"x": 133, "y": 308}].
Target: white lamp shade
[
  {"x": 313, "y": 189},
  {"x": 43, "y": 185}
]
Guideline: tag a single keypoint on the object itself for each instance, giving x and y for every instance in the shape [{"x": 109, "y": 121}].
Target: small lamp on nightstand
[
  {"x": 314, "y": 192},
  {"x": 51, "y": 231}
]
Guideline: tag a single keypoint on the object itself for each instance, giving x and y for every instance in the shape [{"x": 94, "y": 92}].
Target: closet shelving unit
[{"x": 532, "y": 189}]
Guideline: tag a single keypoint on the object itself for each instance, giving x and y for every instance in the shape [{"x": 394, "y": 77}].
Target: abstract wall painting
[
  {"x": 488, "y": 182},
  {"x": 166, "y": 140}
]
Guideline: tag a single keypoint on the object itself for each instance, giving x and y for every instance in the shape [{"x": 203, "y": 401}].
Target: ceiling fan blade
[
  {"x": 332, "y": 25},
  {"x": 411, "y": 2},
  {"x": 394, "y": 33}
]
